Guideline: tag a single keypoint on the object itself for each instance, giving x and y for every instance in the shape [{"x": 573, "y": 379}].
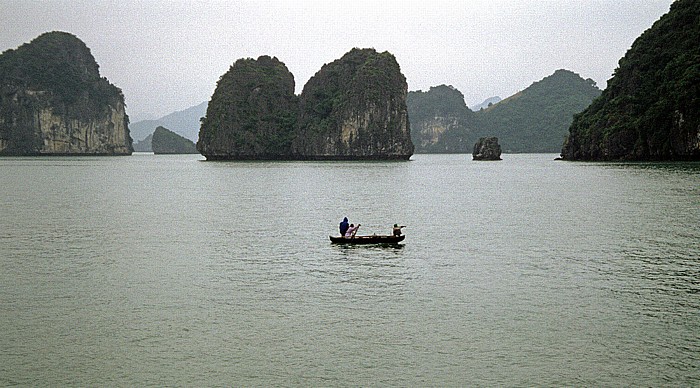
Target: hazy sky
[{"x": 168, "y": 55}]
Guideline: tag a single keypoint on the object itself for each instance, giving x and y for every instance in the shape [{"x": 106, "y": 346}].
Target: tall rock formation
[
  {"x": 651, "y": 107},
  {"x": 252, "y": 113},
  {"x": 440, "y": 120},
  {"x": 352, "y": 109},
  {"x": 54, "y": 102},
  {"x": 355, "y": 108}
]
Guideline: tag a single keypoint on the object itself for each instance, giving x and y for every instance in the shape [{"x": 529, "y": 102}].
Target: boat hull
[{"x": 374, "y": 239}]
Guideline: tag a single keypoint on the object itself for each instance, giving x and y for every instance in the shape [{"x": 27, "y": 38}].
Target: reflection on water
[{"x": 166, "y": 270}]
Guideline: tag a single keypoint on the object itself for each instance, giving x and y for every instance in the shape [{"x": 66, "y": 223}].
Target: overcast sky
[{"x": 168, "y": 55}]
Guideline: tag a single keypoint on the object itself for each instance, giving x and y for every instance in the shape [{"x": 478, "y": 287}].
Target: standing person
[
  {"x": 352, "y": 230},
  {"x": 344, "y": 226}
]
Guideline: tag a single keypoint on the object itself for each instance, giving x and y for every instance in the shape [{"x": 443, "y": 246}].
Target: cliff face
[
  {"x": 53, "y": 101},
  {"x": 651, "y": 107},
  {"x": 355, "y": 108},
  {"x": 440, "y": 120}
]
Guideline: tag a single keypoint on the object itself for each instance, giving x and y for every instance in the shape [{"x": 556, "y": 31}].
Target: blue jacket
[{"x": 344, "y": 226}]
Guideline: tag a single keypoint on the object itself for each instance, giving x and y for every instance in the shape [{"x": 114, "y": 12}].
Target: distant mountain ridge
[
  {"x": 185, "y": 123},
  {"x": 535, "y": 119},
  {"x": 486, "y": 103},
  {"x": 145, "y": 145},
  {"x": 440, "y": 120}
]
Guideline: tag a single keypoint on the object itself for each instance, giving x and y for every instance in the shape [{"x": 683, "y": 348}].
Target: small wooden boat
[{"x": 373, "y": 239}]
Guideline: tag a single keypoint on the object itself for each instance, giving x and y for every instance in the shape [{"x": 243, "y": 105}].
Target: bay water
[{"x": 155, "y": 270}]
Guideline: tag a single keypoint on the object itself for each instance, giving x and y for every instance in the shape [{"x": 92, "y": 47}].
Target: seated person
[
  {"x": 344, "y": 226},
  {"x": 352, "y": 230},
  {"x": 396, "y": 231}
]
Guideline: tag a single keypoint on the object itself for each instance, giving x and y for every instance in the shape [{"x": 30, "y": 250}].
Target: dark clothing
[{"x": 344, "y": 226}]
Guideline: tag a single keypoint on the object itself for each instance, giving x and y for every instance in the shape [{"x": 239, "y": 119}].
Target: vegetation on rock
[
  {"x": 56, "y": 74},
  {"x": 252, "y": 113},
  {"x": 355, "y": 108},
  {"x": 650, "y": 109},
  {"x": 165, "y": 141}
]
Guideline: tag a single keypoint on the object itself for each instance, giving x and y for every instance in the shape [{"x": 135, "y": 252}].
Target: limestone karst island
[
  {"x": 54, "y": 102},
  {"x": 352, "y": 109}
]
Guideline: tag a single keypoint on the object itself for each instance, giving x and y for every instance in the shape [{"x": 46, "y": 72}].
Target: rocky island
[
  {"x": 54, "y": 102},
  {"x": 651, "y": 108},
  {"x": 252, "y": 113},
  {"x": 165, "y": 141},
  {"x": 487, "y": 148},
  {"x": 352, "y": 109}
]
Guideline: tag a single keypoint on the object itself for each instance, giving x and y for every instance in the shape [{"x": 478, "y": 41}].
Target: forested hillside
[
  {"x": 651, "y": 107},
  {"x": 537, "y": 119},
  {"x": 534, "y": 120},
  {"x": 440, "y": 120}
]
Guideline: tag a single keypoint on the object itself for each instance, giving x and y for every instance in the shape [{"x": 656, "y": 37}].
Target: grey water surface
[{"x": 157, "y": 270}]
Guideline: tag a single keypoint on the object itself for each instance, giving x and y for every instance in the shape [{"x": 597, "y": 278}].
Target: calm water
[{"x": 167, "y": 270}]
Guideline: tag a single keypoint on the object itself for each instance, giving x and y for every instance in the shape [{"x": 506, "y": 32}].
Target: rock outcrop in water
[
  {"x": 252, "y": 113},
  {"x": 487, "y": 148},
  {"x": 651, "y": 107},
  {"x": 355, "y": 108},
  {"x": 54, "y": 102},
  {"x": 165, "y": 141},
  {"x": 352, "y": 109}
]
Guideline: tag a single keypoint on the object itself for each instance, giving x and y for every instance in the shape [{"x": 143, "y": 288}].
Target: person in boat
[
  {"x": 396, "y": 231},
  {"x": 352, "y": 231},
  {"x": 344, "y": 226}
]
